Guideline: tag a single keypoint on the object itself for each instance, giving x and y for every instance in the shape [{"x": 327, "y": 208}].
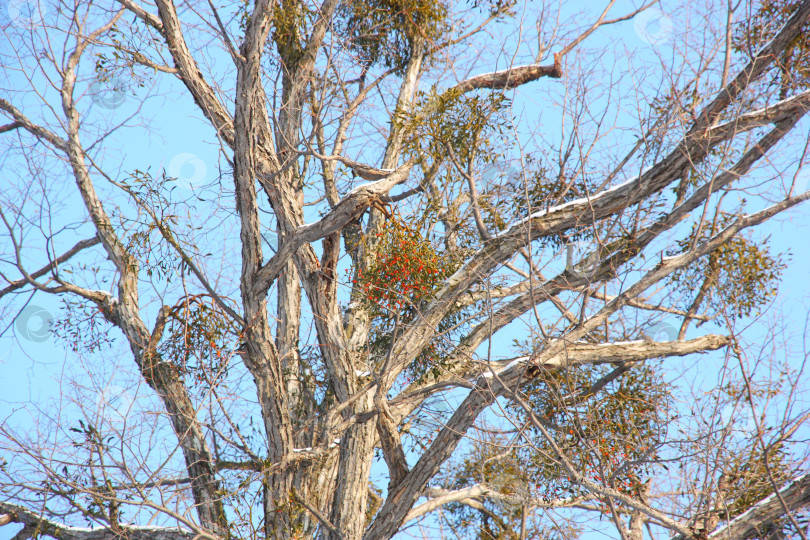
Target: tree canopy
[{"x": 351, "y": 269}]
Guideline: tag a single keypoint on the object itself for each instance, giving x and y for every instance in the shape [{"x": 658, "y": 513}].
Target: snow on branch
[
  {"x": 36, "y": 526},
  {"x": 440, "y": 497},
  {"x": 511, "y": 78},
  {"x": 613, "y": 353},
  {"x": 349, "y": 208},
  {"x": 793, "y": 496}
]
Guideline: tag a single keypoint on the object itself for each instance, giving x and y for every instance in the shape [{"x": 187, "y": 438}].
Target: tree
[{"x": 395, "y": 221}]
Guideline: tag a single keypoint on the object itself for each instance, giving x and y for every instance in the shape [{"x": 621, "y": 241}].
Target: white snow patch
[
  {"x": 364, "y": 185},
  {"x": 130, "y": 527},
  {"x": 581, "y": 200},
  {"x": 744, "y": 516},
  {"x": 508, "y": 366},
  {"x": 499, "y": 72}
]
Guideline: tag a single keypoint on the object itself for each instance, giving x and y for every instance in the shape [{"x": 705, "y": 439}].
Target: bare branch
[
  {"x": 79, "y": 246},
  {"x": 10, "y": 127},
  {"x": 38, "y": 131},
  {"x": 37, "y": 525},
  {"x": 510, "y": 78},
  {"x": 796, "y": 495}
]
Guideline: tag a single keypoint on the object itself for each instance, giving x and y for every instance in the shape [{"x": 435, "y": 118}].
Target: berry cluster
[{"x": 405, "y": 270}]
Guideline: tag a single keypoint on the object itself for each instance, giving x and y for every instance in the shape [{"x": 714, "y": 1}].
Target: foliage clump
[
  {"x": 82, "y": 327},
  {"x": 791, "y": 70},
  {"x": 405, "y": 270},
  {"x": 501, "y": 517},
  {"x": 533, "y": 190},
  {"x": 609, "y": 434},
  {"x": 198, "y": 339},
  {"x": 740, "y": 276},
  {"x": 748, "y": 477},
  {"x": 385, "y": 31},
  {"x": 463, "y": 122},
  {"x": 289, "y": 19}
]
